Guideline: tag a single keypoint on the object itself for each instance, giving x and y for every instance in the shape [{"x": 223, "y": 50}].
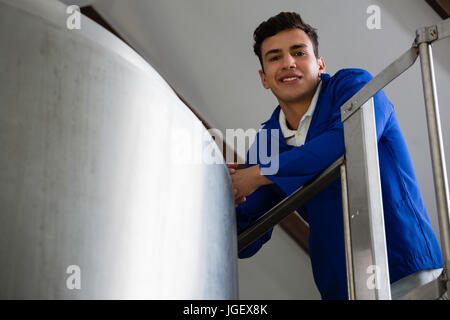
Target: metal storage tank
[{"x": 105, "y": 192}]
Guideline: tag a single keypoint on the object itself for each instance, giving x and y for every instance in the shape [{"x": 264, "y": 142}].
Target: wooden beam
[
  {"x": 297, "y": 229},
  {"x": 442, "y": 7}
]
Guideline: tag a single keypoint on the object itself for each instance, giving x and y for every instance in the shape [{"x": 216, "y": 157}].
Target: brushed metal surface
[
  {"x": 368, "y": 239},
  {"x": 100, "y": 168}
]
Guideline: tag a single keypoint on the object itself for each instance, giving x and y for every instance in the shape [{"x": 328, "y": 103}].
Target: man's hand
[
  {"x": 246, "y": 181},
  {"x": 232, "y": 167}
]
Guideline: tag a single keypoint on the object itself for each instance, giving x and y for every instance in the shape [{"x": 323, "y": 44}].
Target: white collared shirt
[{"x": 297, "y": 137}]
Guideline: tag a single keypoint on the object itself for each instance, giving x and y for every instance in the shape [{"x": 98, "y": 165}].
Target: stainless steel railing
[
  {"x": 288, "y": 205},
  {"x": 361, "y": 190}
]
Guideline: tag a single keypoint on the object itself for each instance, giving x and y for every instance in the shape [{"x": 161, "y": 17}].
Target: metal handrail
[{"x": 289, "y": 204}]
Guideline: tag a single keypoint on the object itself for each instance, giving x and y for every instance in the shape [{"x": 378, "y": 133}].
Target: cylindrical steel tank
[{"x": 110, "y": 188}]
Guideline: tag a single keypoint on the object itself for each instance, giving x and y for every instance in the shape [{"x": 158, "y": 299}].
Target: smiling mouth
[{"x": 289, "y": 80}]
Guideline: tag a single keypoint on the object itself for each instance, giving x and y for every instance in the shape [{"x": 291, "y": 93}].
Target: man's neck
[{"x": 294, "y": 111}]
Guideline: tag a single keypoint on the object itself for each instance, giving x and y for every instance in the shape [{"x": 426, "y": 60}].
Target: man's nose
[{"x": 288, "y": 62}]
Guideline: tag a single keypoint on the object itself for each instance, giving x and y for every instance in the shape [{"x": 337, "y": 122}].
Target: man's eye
[
  {"x": 274, "y": 58},
  {"x": 300, "y": 53}
]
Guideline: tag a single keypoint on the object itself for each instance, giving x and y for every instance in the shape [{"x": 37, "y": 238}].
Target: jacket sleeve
[
  {"x": 301, "y": 164},
  {"x": 258, "y": 203}
]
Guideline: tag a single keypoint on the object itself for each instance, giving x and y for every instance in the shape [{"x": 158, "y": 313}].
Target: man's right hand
[{"x": 232, "y": 169}]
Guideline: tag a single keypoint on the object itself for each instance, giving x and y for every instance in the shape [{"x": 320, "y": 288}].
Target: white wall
[
  {"x": 204, "y": 49},
  {"x": 280, "y": 270},
  {"x": 80, "y": 3}
]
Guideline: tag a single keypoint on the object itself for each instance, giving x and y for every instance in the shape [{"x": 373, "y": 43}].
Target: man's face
[{"x": 291, "y": 69}]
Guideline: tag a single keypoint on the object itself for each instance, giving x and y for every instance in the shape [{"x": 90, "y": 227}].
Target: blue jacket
[{"x": 411, "y": 243}]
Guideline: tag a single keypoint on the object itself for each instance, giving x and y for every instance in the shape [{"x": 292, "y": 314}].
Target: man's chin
[{"x": 291, "y": 98}]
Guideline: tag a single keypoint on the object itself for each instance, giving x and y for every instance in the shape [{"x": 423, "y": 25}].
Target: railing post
[
  {"x": 347, "y": 234},
  {"x": 437, "y": 152},
  {"x": 365, "y": 206}
]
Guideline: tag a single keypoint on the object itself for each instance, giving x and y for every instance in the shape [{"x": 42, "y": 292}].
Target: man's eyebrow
[
  {"x": 299, "y": 46},
  {"x": 272, "y": 51},
  {"x": 294, "y": 47}
]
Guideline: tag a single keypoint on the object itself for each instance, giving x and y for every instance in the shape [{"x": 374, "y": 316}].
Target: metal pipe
[
  {"x": 347, "y": 238},
  {"x": 437, "y": 151}
]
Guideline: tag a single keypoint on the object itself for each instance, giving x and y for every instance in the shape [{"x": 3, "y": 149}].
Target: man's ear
[
  {"x": 262, "y": 75},
  {"x": 322, "y": 66}
]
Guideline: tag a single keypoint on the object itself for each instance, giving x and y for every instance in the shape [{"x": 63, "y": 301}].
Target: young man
[{"x": 311, "y": 139}]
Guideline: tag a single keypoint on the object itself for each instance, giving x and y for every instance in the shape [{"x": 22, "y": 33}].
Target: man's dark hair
[{"x": 280, "y": 22}]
